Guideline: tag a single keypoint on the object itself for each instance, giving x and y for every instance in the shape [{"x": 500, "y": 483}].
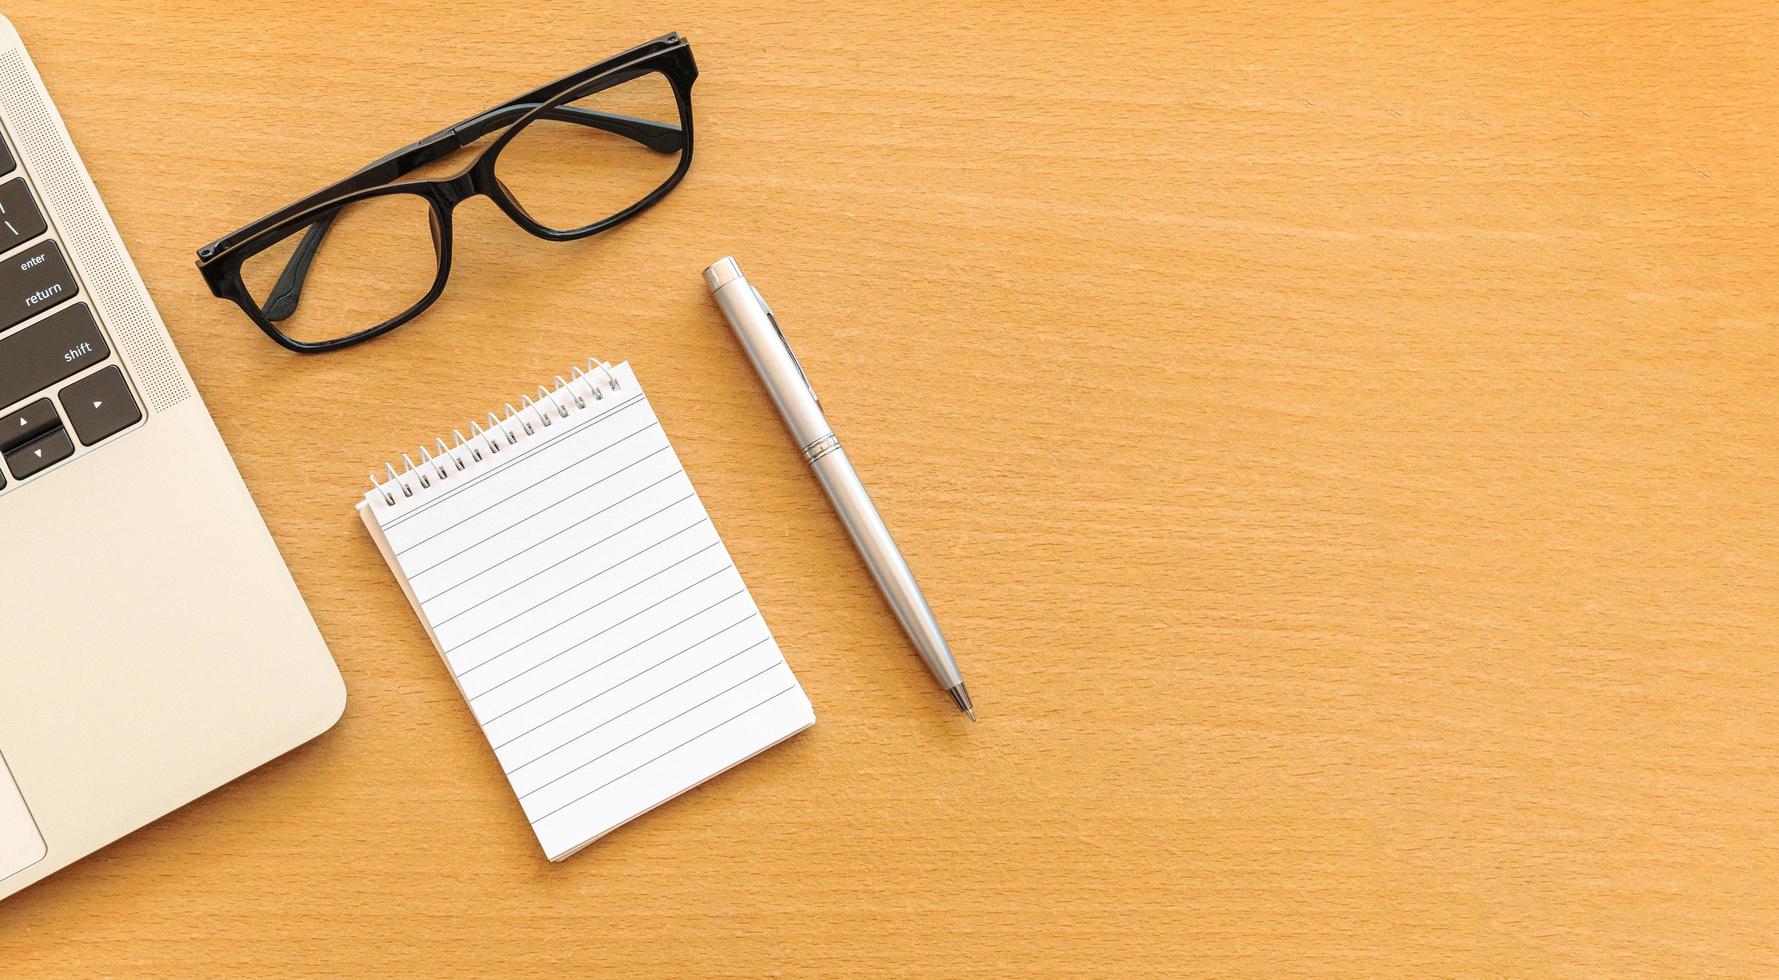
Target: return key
[{"x": 32, "y": 281}]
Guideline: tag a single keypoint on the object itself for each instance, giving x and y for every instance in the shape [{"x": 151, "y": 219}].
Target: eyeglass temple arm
[
  {"x": 282, "y": 301},
  {"x": 660, "y": 137}
]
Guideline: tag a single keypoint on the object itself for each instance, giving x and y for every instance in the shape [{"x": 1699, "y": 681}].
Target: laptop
[{"x": 152, "y": 643}]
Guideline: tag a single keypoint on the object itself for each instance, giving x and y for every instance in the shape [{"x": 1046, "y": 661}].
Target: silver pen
[{"x": 758, "y": 331}]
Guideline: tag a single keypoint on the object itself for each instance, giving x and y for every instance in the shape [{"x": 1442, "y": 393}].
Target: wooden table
[{"x": 1340, "y": 445}]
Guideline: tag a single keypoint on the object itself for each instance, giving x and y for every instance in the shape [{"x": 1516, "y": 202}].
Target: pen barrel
[
  {"x": 757, "y": 330},
  {"x": 878, "y": 548}
]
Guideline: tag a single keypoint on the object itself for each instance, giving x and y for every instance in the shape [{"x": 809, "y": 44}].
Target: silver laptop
[{"x": 152, "y": 644}]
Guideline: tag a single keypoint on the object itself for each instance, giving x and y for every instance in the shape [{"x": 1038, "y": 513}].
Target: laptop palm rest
[{"x": 20, "y": 844}]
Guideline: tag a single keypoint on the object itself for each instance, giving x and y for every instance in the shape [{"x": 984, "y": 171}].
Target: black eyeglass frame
[{"x": 671, "y": 55}]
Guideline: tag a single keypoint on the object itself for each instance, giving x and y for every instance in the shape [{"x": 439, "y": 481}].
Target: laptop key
[
  {"x": 7, "y": 163},
  {"x": 20, "y": 220},
  {"x": 27, "y": 423},
  {"x": 32, "y": 281},
  {"x": 40, "y": 454},
  {"x": 100, "y": 405},
  {"x": 59, "y": 346}
]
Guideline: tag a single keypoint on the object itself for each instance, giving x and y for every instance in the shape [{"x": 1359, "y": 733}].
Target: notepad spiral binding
[{"x": 465, "y": 453}]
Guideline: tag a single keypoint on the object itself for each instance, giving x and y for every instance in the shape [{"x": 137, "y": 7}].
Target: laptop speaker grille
[{"x": 122, "y": 304}]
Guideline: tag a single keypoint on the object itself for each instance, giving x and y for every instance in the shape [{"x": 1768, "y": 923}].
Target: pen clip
[{"x": 787, "y": 344}]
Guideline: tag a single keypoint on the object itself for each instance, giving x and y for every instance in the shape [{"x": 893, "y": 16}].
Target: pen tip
[{"x": 961, "y": 698}]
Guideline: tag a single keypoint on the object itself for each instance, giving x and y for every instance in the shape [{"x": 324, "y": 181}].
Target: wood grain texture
[{"x": 1340, "y": 443}]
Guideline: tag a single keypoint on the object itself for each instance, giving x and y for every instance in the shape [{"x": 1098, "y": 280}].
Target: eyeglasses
[{"x": 580, "y": 155}]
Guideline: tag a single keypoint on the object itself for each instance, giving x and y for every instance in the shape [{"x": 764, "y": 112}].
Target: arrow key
[
  {"x": 40, "y": 454},
  {"x": 22, "y": 425},
  {"x": 100, "y": 405}
]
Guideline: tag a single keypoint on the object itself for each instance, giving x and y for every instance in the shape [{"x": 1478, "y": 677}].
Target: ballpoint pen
[{"x": 757, "y": 329}]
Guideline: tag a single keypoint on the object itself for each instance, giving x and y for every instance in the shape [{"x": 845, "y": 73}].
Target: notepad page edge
[{"x": 806, "y": 722}]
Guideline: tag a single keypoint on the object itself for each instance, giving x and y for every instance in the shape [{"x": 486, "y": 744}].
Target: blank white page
[{"x": 587, "y": 609}]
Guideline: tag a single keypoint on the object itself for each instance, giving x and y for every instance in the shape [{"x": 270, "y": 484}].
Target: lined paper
[{"x": 588, "y": 611}]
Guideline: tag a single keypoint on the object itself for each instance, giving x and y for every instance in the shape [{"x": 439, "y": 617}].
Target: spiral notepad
[{"x": 570, "y": 578}]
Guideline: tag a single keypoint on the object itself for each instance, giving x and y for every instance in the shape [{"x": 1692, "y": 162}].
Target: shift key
[
  {"x": 33, "y": 281},
  {"x": 56, "y": 347}
]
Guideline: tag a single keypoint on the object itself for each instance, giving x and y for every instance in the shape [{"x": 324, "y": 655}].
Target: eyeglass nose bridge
[{"x": 453, "y": 191}]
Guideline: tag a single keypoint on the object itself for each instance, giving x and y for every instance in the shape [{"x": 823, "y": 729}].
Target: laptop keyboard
[{"x": 50, "y": 419}]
